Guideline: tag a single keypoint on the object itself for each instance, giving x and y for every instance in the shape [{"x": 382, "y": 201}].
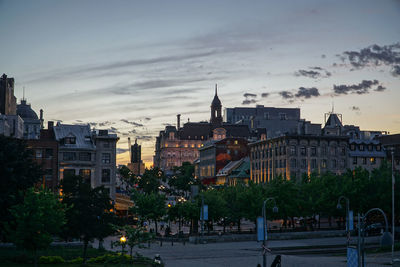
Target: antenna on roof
[
  {"x": 216, "y": 89},
  {"x": 333, "y": 107},
  {"x": 23, "y": 93}
]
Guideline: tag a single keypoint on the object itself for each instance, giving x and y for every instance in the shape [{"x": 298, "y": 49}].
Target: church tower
[{"x": 216, "y": 114}]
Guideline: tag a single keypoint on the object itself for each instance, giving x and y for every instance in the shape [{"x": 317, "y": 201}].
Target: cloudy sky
[{"x": 131, "y": 66}]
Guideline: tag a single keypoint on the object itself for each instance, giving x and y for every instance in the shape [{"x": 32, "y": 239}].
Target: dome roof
[{"x": 25, "y": 111}]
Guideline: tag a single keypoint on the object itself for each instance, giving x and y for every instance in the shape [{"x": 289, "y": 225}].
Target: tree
[
  {"x": 90, "y": 215},
  {"x": 150, "y": 181},
  {"x": 149, "y": 206},
  {"x": 183, "y": 178},
  {"x": 18, "y": 172},
  {"x": 40, "y": 216},
  {"x": 135, "y": 236}
]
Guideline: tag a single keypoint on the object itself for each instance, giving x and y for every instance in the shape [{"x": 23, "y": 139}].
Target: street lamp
[
  {"x": 386, "y": 239},
  {"x": 275, "y": 210},
  {"x": 347, "y": 216},
  {"x": 123, "y": 242},
  {"x": 393, "y": 182}
]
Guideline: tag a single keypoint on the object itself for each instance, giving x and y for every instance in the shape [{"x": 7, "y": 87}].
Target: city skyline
[{"x": 131, "y": 67}]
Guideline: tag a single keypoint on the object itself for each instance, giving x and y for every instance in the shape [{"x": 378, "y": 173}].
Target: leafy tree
[
  {"x": 216, "y": 205},
  {"x": 135, "y": 236},
  {"x": 40, "y": 216},
  {"x": 150, "y": 181},
  {"x": 235, "y": 200},
  {"x": 149, "y": 206},
  {"x": 255, "y": 195},
  {"x": 18, "y": 172},
  {"x": 184, "y": 177},
  {"x": 90, "y": 215}
]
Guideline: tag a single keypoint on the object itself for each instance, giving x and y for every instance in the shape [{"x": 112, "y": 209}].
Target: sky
[{"x": 131, "y": 66}]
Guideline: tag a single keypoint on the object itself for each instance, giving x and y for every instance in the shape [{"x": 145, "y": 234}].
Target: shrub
[
  {"x": 77, "y": 260},
  {"x": 51, "y": 259},
  {"x": 112, "y": 258}
]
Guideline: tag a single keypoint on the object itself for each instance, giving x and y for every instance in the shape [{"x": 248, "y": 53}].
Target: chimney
[
  {"x": 41, "y": 118},
  {"x": 50, "y": 125},
  {"x": 178, "y": 118}
]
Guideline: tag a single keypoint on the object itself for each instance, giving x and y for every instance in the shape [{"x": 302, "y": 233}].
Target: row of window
[
  {"x": 364, "y": 160},
  {"x": 302, "y": 151},
  {"x": 44, "y": 153},
  {"x": 85, "y": 156},
  {"x": 303, "y": 164},
  {"x": 363, "y": 147},
  {"x": 87, "y": 174},
  {"x": 184, "y": 145}
]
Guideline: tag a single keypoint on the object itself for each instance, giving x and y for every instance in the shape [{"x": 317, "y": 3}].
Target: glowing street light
[{"x": 122, "y": 239}]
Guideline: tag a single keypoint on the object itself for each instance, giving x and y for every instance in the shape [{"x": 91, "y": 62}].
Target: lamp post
[
  {"x": 275, "y": 209},
  {"x": 393, "y": 182},
  {"x": 347, "y": 216},
  {"x": 386, "y": 239},
  {"x": 123, "y": 242}
]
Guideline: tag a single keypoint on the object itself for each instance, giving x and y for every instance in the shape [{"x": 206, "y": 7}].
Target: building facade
[
  {"x": 8, "y": 102},
  {"x": 32, "y": 124}
]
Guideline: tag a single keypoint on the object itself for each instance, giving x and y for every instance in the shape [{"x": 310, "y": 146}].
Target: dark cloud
[
  {"x": 147, "y": 119},
  {"x": 354, "y": 108},
  {"x": 249, "y": 95},
  {"x": 106, "y": 123},
  {"x": 373, "y": 56},
  {"x": 323, "y": 56},
  {"x": 396, "y": 70},
  {"x": 361, "y": 88},
  {"x": 121, "y": 150},
  {"x": 286, "y": 95},
  {"x": 264, "y": 95},
  {"x": 314, "y": 73},
  {"x": 307, "y": 92},
  {"x": 145, "y": 137},
  {"x": 249, "y": 101},
  {"x": 132, "y": 123}
]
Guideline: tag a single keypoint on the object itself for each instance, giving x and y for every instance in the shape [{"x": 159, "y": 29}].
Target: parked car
[{"x": 374, "y": 229}]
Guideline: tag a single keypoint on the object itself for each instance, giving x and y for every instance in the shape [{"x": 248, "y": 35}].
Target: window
[
  {"x": 323, "y": 163},
  {"x": 373, "y": 161},
  {"x": 378, "y": 148},
  {"x": 38, "y": 153},
  {"x": 49, "y": 153},
  {"x": 282, "y": 116},
  {"x": 293, "y": 163},
  {"x": 369, "y": 147},
  {"x": 342, "y": 163},
  {"x": 313, "y": 151},
  {"x": 303, "y": 151},
  {"x": 236, "y": 142},
  {"x": 85, "y": 173},
  {"x": 105, "y": 157},
  {"x": 364, "y": 161},
  {"x": 69, "y": 172},
  {"x": 313, "y": 163},
  {"x": 70, "y": 140},
  {"x": 352, "y": 147},
  {"x": 284, "y": 164},
  {"x": 343, "y": 151},
  {"x": 266, "y": 115},
  {"x": 334, "y": 164},
  {"x": 106, "y": 144},
  {"x": 105, "y": 175},
  {"x": 48, "y": 174},
  {"x": 361, "y": 147},
  {"x": 323, "y": 151},
  {"x": 333, "y": 151},
  {"x": 293, "y": 150},
  {"x": 354, "y": 160},
  {"x": 69, "y": 156},
  {"x": 303, "y": 164},
  {"x": 85, "y": 156}
]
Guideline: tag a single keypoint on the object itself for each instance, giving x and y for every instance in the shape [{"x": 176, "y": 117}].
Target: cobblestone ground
[{"x": 239, "y": 254}]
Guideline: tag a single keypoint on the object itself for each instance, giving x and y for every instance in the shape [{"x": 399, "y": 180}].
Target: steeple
[{"x": 216, "y": 106}]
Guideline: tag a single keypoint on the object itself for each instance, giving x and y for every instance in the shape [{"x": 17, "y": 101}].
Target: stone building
[
  {"x": 91, "y": 155},
  {"x": 32, "y": 124},
  {"x": 8, "y": 102},
  {"x": 217, "y": 154},
  {"x": 45, "y": 154},
  {"x": 176, "y": 145},
  {"x": 136, "y": 165},
  {"x": 293, "y": 155}
]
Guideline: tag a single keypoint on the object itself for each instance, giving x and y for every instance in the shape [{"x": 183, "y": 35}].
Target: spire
[
  {"x": 23, "y": 94},
  {"x": 216, "y": 90}
]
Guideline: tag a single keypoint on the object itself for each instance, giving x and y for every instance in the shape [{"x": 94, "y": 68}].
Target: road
[{"x": 249, "y": 253}]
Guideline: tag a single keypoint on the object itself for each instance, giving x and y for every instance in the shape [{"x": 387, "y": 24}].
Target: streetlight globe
[
  {"x": 275, "y": 209},
  {"x": 122, "y": 239},
  {"x": 339, "y": 207}
]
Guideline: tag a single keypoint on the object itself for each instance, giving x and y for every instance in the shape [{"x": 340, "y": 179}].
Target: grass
[{"x": 14, "y": 257}]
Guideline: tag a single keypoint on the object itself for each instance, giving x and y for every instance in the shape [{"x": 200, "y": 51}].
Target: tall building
[
  {"x": 91, "y": 155},
  {"x": 176, "y": 144},
  {"x": 8, "y": 102},
  {"x": 136, "y": 165}
]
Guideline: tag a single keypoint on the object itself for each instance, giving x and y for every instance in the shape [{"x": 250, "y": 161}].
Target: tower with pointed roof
[{"x": 216, "y": 107}]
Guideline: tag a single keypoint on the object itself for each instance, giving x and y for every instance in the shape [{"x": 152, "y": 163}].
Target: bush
[
  {"x": 51, "y": 259},
  {"x": 112, "y": 258},
  {"x": 77, "y": 260}
]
